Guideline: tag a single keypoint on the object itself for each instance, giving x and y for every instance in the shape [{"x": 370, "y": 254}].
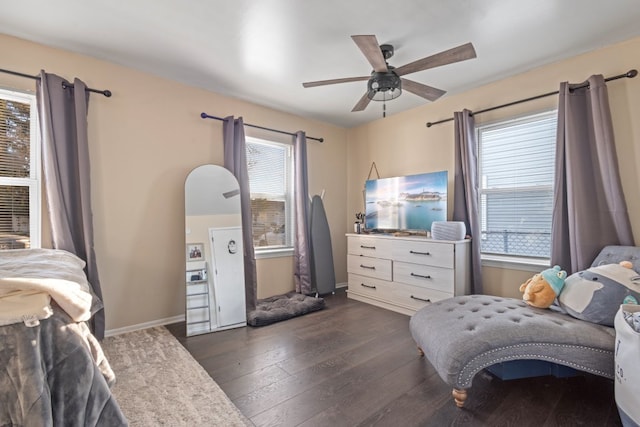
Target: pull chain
[{"x": 384, "y": 109}]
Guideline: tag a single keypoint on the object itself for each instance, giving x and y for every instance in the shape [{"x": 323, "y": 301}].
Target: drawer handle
[
  {"x": 419, "y": 253},
  {"x": 367, "y": 247},
  {"x": 367, "y": 266},
  {"x": 367, "y": 286},
  {"x": 421, "y": 276},
  {"x": 420, "y": 299}
]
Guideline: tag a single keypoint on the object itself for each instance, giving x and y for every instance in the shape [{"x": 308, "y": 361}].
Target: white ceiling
[{"x": 262, "y": 50}]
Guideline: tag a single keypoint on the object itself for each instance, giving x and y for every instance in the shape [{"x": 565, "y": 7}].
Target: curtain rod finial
[
  {"x": 429, "y": 124},
  {"x": 107, "y": 93},
  {"x": 632, "y": 73},
  {"x": 203, "y": 115}
]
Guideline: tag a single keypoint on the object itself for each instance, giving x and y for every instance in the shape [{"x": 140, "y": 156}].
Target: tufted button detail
[{"x": 478, "y": 335}]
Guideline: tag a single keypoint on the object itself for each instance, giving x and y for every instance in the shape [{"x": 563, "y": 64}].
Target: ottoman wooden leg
[{"x": 459, "y": 396}]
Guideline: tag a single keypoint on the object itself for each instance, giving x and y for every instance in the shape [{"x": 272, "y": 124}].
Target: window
[
  {"x": 270, "y": 167},
  {"x": 19, "y": 171},
  {"x": 516, "y": 169}
]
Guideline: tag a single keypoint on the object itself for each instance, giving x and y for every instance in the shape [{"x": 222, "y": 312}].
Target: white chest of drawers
[{"x": 405, "y": 273}]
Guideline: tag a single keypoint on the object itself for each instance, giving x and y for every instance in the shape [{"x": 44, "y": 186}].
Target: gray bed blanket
[{"x": 54, "y": 374}]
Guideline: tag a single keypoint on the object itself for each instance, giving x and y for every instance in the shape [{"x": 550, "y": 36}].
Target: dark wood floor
[{"x": 353, "y": 364}]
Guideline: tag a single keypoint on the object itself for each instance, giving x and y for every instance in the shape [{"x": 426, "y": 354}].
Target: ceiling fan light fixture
[
  {"x": 384, "y": 86},
  {"x": 384, "y": 82}
]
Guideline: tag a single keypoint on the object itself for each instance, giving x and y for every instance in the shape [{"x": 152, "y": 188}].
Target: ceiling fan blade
[
  {"x": 371, "y": 50},
  {"x": 334, "y": 81},
  {"x": 426, "y": 92},
  {"x": 362, "y": 104},
  {"x": 457, "y": 54}
]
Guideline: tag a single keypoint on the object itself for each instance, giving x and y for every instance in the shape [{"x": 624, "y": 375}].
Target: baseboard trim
[
  {"x": 165, "y": 321},
  {"x": 145, "y": 325}
]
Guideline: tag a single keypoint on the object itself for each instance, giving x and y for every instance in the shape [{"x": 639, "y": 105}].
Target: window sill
[
  {"x": 273, "y": 253},
  {"x": 515, "y": 263}
]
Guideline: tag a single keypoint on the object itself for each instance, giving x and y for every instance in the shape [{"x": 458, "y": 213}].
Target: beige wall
[
  {"x": 148, "y": 136},
  {"x": 143, "y": 143},
  {"x": 402, "y": 144}
]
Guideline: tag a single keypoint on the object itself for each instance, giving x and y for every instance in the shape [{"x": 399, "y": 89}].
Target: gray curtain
[
  {"x": 589, "y": 209},
  {"x": 65, "y": 154},
  {"x": 302, "y": 254},
  {"x": 465, "y": 201},
  {"x": 235, "y": 159}
]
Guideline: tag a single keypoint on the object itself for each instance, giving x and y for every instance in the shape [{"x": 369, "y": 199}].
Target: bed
[{"x": 53, "y": 369}]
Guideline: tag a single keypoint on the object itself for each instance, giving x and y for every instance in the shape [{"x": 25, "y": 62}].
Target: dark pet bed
[{"x": 283, "y": 307}]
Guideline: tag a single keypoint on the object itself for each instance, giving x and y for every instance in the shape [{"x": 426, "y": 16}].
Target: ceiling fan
[{"x": 385, "y": 82}]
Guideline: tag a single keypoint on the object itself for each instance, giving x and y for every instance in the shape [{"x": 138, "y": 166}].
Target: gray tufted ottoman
[{"x": 460, "y": 336}]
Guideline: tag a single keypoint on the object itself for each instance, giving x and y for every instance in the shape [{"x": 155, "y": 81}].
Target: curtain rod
[
  {"x": 106, "y": 92},
  {"x": 206, "y": 116},
  {"x": 629, "y": 74}
]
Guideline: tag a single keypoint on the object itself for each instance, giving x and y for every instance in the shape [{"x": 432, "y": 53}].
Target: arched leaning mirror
[{"x": 215, "y": 297}]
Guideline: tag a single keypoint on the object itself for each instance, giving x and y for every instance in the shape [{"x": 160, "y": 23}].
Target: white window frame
[
  {"x": 524, "y": 263},
  {"x": 34, "y": 180},
  {"x": 287, "y": 250}
]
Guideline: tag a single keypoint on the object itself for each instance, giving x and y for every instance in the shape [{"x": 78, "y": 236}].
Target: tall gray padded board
[{"x": 323, "y": 277}]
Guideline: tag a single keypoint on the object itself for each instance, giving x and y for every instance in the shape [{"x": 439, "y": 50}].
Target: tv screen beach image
[{"x": 409, "y": 202}]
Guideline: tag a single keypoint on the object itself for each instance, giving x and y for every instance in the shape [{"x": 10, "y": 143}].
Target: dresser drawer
[
  {"x": 369, "y": 246},
  {"x": 370, "y": 287},
  {"x": 371, "y": 267},
  {"x": 414, "y": 297},
  {"x": 424, "y": 276},
  {"x": 398, "y": 294},
  {"x": 424, "y": 252}
]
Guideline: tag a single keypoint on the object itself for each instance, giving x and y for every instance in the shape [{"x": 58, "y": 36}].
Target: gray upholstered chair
[{"x": 463, "y": 335}]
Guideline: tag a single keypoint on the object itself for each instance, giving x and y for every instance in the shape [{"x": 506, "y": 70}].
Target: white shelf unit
[
  {"x": 198, "y": 299},
  {"x": 404, "y": 274}
]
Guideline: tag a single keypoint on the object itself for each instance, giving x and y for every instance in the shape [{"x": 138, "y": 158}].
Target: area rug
[
  {"x": 283, "y": 307},
  {"x": 159, "y": 383}
]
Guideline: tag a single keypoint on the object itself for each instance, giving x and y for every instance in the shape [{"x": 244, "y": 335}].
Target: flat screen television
[{"x": 406, "y": 203}]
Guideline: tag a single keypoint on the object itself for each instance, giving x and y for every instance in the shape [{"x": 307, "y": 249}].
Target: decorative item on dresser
[{"x": 404, "y": 274}]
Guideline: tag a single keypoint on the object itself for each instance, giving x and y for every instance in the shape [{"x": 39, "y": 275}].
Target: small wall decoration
[
  {"x": 195, "y": 251},
  {"x": 233, "y": 248}
]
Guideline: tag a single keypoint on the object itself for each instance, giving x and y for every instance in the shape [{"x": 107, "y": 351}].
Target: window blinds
[
  {"x": 517, "y": 163},
  {"x": 15, "y": 173},
  {"x": 269, "y": 168},
  {"x": 15, "y": 139}
]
